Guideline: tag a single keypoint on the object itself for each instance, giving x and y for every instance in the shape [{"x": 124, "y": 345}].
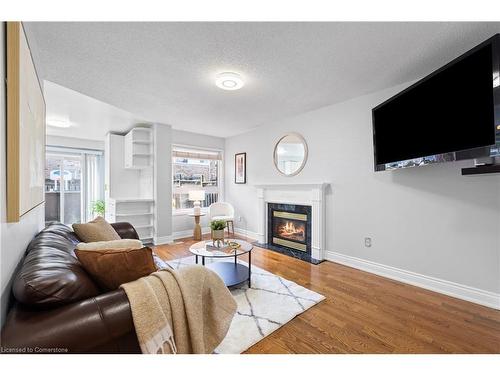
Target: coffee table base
[{"x": 232, "y": 274}]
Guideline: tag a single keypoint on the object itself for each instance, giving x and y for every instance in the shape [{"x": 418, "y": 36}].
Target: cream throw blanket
[{"x": 180, "y": 311}]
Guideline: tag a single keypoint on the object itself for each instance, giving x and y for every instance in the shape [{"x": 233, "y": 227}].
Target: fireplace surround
[{"x": 300, "y": 194}]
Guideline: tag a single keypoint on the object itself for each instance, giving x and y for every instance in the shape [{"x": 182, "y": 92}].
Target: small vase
[{"x": 218, "y": 237}]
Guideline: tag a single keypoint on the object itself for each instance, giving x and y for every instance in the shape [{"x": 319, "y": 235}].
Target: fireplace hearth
[{"x": 289, "y": 230}]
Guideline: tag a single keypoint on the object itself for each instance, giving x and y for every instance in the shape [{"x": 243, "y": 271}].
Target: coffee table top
[{"x": 200, "y": 249}]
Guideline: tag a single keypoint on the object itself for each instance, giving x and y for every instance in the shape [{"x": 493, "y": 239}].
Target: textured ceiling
[{"x": 165, "y": 72}]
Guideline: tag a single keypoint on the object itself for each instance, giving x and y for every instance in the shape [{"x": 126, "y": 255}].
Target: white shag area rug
[{"x": 271, "y": 302}]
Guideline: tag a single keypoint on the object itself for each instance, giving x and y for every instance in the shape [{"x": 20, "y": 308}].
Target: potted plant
[
  {"x": 98, "y": 207},
  {"x": 218, "y": 227}
]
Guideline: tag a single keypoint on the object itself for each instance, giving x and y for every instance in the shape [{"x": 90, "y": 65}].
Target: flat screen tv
[{"x": 452, "y": 114}]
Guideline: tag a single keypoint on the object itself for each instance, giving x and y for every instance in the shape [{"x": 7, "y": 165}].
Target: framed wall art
[
  {"x": 240, "y": 168},
  {"x": 25, "y": 127}
]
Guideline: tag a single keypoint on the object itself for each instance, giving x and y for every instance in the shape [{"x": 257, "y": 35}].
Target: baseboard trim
[
  {"x": 243, "y": 232},
  {"x": 467, "y": 293},
  {"x": 188, "y": 233},
  {"x": 164, "y": 240}
]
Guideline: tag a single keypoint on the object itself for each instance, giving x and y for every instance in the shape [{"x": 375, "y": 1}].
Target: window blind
[
  {"x": 196, "y": 154},
  {"x": 71, "y": 150}
]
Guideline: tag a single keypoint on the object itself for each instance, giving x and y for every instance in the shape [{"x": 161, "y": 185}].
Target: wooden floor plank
[{"x": 366, "y": 313}]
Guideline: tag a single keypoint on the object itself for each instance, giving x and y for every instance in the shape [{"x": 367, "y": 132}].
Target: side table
[{"x": 197, "y": 226}]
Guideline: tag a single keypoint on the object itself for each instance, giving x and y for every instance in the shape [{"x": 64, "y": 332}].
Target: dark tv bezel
[{"x": 472, "y": 153}]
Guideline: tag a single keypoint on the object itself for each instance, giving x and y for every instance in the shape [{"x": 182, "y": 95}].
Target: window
[
  {"x": 195, "y": 169},
  {"x": 68, "y": 199}
]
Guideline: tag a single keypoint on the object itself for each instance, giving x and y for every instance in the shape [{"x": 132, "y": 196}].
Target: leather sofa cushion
[
  {"x": 96, "y": 230},
  {"x": 113, "y": 267},
  {"x": 50, "y": 274}
]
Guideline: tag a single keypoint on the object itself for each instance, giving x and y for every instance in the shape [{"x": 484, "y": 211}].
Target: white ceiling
[
  {"x": 89, "y": 118},
  {"x": 165, "y": 72}
]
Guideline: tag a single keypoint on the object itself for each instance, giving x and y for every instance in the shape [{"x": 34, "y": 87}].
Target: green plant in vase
[
  {"x": 218, "y": 227},
  {"x": 98, "y": 207}
]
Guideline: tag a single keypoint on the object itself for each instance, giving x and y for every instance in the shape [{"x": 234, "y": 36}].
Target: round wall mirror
[{"x": 290, "y": 154}]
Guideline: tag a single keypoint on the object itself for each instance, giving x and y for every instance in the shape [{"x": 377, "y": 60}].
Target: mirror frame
[{"x": 306, "y": 154}]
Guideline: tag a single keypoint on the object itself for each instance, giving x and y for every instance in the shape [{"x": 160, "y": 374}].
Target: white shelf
[
  {"x": 134, "y": 214},
  {"x": 133, "y": 200},
  {"x": 137, "y": 149},
  {"x": 136, "y": 211},
  {"x": 143, "y": 226}
]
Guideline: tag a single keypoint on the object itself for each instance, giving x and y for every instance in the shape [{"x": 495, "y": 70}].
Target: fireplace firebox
[{"x": 289, "y": 228}]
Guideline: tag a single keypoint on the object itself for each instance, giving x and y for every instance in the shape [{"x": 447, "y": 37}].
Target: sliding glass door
[
  {"x": 72, "y": 190},
  {"x": 73, "y": 182},
  {"x": 53, "y": 171}
]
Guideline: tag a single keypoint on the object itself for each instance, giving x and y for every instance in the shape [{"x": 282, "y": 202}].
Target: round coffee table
[{"x": 232, "y": 273}]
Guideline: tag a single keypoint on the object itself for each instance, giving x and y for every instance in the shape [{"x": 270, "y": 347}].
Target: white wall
[
  {"x": 120, "y": 182},
  {"x": 163, "y": 183},
  {"x": 14, "y": 237},
  {"x": 180, "y": 137},
  {"x": 182, "y": 224},
  {"x": 429, "y": 220},
  {"x": 56, "y": 140}
]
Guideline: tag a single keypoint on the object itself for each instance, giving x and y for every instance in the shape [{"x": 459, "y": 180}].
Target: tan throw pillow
[
  {"x": 111, "y": 268},
  {"x": 96, "y": 230},
  {"x": 110, "y": 245}
]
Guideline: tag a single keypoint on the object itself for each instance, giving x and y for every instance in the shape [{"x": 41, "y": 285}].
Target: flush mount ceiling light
[
  {"x": 229, "y": 81},
  {"x": 59, "y": 123}
]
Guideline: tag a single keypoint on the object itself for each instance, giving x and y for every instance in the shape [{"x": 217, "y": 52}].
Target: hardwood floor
[{"x": 365, "y": 313}]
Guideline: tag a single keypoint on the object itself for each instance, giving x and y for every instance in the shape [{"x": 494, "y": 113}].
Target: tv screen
[{"x": 451, "y": 110}]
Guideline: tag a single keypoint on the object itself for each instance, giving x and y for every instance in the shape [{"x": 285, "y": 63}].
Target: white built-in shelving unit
[
  {"x": 129, "y": 180},
  {"x": 138, "y": 148},
  {"x": 138, "y": 212}
]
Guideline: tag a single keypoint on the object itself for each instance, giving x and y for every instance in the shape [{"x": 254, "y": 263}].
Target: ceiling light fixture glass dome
[{"x": 229, "y": 81}]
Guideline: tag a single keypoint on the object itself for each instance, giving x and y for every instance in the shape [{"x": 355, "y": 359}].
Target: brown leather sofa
[{"x": 58, "y": 308}]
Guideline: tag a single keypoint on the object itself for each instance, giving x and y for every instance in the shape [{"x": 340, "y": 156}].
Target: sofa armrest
[
  {"x": 125, "y": 230},
  {"x": 98, "y": 322}
]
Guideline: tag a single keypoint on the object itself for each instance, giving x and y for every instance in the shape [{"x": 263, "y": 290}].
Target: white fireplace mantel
[
  {"x": 309, "y": 194},
  {"x": 322, "y": 186}
]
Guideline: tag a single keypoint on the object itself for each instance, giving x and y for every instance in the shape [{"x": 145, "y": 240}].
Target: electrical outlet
[
  {"x": 239, "y": 218},
  {"x": 368, "y": 242}
]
